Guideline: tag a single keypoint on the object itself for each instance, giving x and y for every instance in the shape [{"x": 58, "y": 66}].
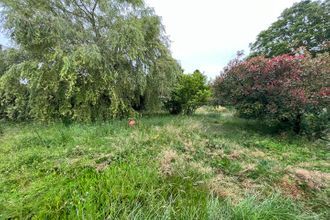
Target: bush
[
  {"x": 190, "y": 93},
  {"x": 316, "y": 126},
  {"x": 288, "y": 89}
]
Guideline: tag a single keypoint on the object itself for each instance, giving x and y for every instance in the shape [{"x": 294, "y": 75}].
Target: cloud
[{"x": 206, "y": 34}]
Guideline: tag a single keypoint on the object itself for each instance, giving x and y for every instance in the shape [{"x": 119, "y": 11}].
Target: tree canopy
[
  {"x": 305, "y": 24},
  {"x": 190, "y": 92},
  {"x": 84, "y": 59}
]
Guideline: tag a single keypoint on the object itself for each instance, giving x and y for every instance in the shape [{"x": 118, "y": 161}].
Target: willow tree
[{"x": 85, "y": 59}]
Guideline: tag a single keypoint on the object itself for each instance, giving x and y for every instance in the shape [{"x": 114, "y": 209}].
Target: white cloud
[{"x": 206, "y": 34}]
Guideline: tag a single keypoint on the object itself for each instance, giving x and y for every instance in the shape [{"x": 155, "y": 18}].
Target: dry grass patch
[
  {"x": 314, "y": 164},
  {"x": 257, "y": 154},
  {"x": 289, "y": 188},
  {"x": 102, "y": 166},
  {"x": 225, "y": 187},
  {"x": 315, "y": 180},
  {"x": 193, "y": 125},
  {"x": 201, "y": 168},
  {"x": 236, "y": 154},
  {"x": 172, "y": 163},
  {"x": 73, "y": 161},
  {"x": 189, "y": 147},
  {"x": 102, "y": 162},
  {"x": 168, "y": 160},
  {"x": 251, "y": 187},
  {"x": 215, "y": 153},
  {"x": 247, "y": 168},
  {"x": 172, "y": 129},
  {"x": 233, "y": 188}
]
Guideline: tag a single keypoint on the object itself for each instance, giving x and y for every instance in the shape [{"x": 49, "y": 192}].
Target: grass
[{"x": 207, "y": 166}]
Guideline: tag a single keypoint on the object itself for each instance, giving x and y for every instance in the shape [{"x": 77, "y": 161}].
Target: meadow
[{"x": 211, "y": 165}]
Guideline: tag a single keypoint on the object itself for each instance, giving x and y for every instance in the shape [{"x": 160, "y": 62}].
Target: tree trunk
[{"x": 297, "y": 123}]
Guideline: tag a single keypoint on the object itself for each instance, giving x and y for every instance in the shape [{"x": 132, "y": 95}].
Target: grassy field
[{"x": 207, "y": 166}]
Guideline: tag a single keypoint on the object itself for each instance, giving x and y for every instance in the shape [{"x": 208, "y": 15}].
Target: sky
[{"x": 206, "y": 34}]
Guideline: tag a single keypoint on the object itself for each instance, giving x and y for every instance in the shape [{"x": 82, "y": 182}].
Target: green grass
[{"x": 207, "y": 166}]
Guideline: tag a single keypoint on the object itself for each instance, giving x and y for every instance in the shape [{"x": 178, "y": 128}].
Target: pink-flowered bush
[{"x": 285, "y": 88}]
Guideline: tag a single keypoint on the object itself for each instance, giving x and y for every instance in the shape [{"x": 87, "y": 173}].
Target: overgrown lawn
[{"x": 207, "y": 166}]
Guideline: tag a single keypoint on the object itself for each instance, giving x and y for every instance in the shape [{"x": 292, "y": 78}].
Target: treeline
[{"x": 89, "y": 60}]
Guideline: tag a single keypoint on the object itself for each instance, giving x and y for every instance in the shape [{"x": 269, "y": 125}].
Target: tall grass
[{"x": 112, "y": 171}]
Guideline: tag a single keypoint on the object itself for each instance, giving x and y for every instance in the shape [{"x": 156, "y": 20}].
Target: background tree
[
  {"x": 306, "y": 24},
  {"x": 86, "y": 59},
  {"x": 190, "y": 93}
]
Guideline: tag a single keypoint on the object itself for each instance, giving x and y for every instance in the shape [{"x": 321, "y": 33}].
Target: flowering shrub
[{"x": 284, "y": 88}]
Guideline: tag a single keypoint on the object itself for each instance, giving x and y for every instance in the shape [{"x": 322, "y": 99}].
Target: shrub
[
  {"x": 190, "y": 93},
  {"x": 316, "y": 126},
  {"x": 284, "y": 88}
]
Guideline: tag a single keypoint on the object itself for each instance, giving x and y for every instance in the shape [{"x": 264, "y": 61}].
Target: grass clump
[{"x": 274, "y": 207}]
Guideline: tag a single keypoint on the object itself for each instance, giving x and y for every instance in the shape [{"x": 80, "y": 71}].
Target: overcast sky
[{"x": 206, "y": 34}]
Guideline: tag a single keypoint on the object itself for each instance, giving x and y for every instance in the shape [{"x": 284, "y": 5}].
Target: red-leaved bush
[{"x": 285, "y": 88}]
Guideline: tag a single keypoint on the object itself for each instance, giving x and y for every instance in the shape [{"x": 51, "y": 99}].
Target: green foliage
[
  {"x": 317, "y": 126},
  {"x": 190, "y": 93},
  {"x": 14, "y": 95},
  {"x": 85, "y": 60},
  {"x": 9, "y": 57},
  {"x": 281, "y": 89},
  {"x": 306, "y": 23}
]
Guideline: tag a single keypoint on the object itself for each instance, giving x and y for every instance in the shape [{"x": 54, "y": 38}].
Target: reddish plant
[{"x": 284, "y": 88}]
